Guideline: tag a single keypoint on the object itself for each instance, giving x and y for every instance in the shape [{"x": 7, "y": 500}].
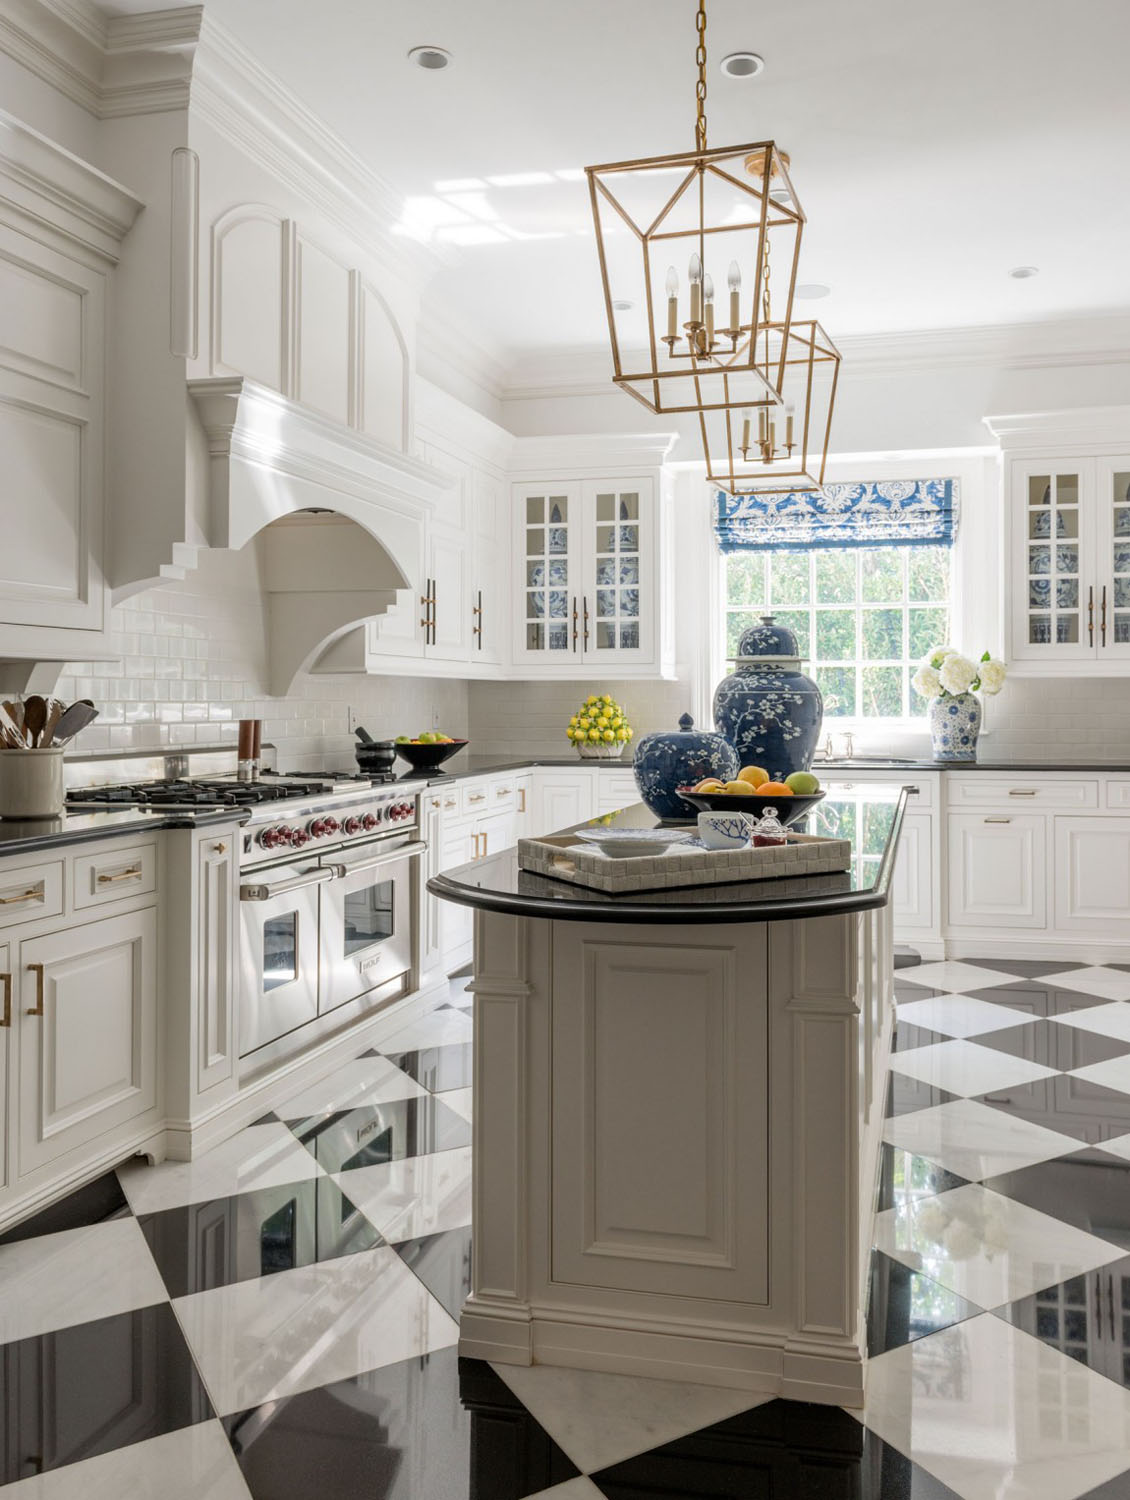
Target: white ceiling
[{"x": 934, "y": 145}]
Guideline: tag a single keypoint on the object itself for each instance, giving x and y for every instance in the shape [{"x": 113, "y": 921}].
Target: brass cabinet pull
[
  {"x": 1091, "y": 615},
  {"x": 6, "y": 981},
  {"x": 37, "y": 1008},
  {"x": 133, "y": 873},
  {"x": 585, "y": 602},
  {"x": 521, "y": 799},
  {"x": 1022, "y": 791},
  {"x": 477, "y": 612},
  {"x": 504, "y": 791},
  {"x": 37, "y": 893},
  {"x": 486, "y": 843},
  {"x": 436, "y": 804},
  {"x": 219, "y": 848},
  {"x": 475, "y": 837},
  {"x": 998, "y": 820},
  {"x": 576, "y": 617},
  {"x": 477, "y": 797},
  {"x": 1102, "y": 618}
]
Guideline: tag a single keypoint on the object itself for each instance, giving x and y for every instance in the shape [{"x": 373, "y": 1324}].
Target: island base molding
[
  {"x": 828, "y": 1372},
  {"x": 677, "y": 1131}
]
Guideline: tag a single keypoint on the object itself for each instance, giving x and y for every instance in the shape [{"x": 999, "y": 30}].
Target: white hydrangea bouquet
[
  {"x": 601, "y": 729},
  {"x": 951, "y": 682}
]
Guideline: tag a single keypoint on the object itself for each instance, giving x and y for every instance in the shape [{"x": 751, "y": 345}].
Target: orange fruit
[
  {"x": 774, "y": 789},
  {"x": 754, "y": 775}
]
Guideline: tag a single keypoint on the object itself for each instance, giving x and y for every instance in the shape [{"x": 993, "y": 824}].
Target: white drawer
[
  {"x": 502, "y": 795},
  {"x": 451, "y": 801},
  {"x": 113, "y": 874},
  {"x": 922, "y": 785},
  {"x": 1019, "y": 792},
  {"x": 1118, "y": 794},
  {"x": 31, "y": 892},
  {"x": 476, "y": 797}
]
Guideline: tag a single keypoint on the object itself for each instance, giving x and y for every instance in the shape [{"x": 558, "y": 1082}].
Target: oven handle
[
  {"x": 281, "y": 887},
  {"x": 402, "y": 851}
]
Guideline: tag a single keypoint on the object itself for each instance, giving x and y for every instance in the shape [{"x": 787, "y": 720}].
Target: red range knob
[
  {"x": 331, "y": 825},
  {"x": 317, "y": 828},
  {"x": 369, "y": 822},
  {"x": 271, "y": 838},
  {"x": 406, "y": 809},
  {"x": 298, "y": 837},
  {"x": 352, "y": 826}
]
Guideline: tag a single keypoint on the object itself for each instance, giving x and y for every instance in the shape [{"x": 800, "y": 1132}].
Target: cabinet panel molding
[{"x": 251, "y": 298}]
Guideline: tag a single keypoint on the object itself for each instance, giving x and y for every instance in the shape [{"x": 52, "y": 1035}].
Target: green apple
[
  {"x": 803, "y": 783},
  {"x": 403, "y": 739},
  {"x": 427, "y": 738}
]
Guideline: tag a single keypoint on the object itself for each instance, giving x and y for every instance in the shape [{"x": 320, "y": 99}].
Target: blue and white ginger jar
[
  {"x": 955, "y": 723},
  {"x": 767, "y": 708},
  {"x": 672, "y": 758}
]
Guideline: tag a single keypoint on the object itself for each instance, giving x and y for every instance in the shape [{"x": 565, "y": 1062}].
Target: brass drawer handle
[
  {"x": 1020, "y": 791},
  {"x": 478, "y": 797},
  {"x": 998, "y": 820},
  {"x": 522, "y": 799},
  {"x": 504, "y": 791},
  {"x": 37, "y": 1008},
  {"x": 6, "y": 981},
  {"x": 37, "y": 893},
  {"x": 133, "y": 873},
  {"x": 219, "y": 848}
]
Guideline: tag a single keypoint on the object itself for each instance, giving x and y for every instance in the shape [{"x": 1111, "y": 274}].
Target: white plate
[{"x": 631, "y": 843}]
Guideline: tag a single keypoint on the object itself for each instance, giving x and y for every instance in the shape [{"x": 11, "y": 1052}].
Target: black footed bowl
[{"x": 788, "y": 809}]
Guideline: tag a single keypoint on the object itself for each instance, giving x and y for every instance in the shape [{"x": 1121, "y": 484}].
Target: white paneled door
[
  {"x": 1092, "y": 874},
  {"x": 997, "y": 870}
]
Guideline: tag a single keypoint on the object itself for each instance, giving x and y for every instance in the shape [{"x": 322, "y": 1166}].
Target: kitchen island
[{"x": 677, "y": 1117}]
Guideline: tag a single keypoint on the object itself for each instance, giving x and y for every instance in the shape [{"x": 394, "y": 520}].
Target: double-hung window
[{"x": 861, "y": 572}]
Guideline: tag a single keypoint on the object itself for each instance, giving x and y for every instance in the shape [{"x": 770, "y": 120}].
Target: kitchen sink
[{"x": 866, "y": 760}]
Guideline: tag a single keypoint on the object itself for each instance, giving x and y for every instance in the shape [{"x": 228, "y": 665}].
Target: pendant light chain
[{"x": 700, "y": 87}]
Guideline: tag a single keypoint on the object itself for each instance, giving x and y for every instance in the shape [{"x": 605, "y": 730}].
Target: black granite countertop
[
  {"x": 25, "y": 835},
  {"x": 872, "y": 822},
  {"x": 459, "y": 767}
]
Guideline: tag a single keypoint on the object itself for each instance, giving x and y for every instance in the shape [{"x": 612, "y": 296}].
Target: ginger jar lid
[{"x": 768, "y": 643}]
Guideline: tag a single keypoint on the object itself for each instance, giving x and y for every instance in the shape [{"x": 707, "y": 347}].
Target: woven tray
[{"x": 567, "y": 858}]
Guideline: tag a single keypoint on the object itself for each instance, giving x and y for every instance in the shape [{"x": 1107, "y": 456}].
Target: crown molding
[
  {"x": 56, "y": 47},
  {"x": 607, "y": 453},
  {"x": 1085, "y": 425}
]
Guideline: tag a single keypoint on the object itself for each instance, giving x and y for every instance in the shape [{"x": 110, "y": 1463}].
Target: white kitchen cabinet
[
  {"x": 615, "y": 790},
  {"x": 1092, "y": 874},
  {"x": 431, "y": 830},
  {"x": 588, "y": 585},
  {"x": 913, "y": 886},
  {"x": 523, "y": 805},
  {"x": 7, "y": 1011},
  {"x": 562, "y": 798},
  {"x": 997, "y": 870},
  {"x": 457, "y": 923},
  {"x": 87, "y": 1046},
  {"x": 448, "y": 634},
  {"x": 217, "y": 881}
]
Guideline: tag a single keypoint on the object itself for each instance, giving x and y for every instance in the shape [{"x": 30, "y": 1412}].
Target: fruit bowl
[
  {"x": 788, "y": 809},
  {"x": 429, "y": 757}
]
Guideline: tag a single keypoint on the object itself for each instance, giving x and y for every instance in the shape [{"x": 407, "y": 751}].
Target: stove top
[{"x": 220, "y": 791}]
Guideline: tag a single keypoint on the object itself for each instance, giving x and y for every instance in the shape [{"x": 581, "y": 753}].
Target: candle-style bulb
[
  {"x": 708, "y": 287},
  {"x": 694, "y": 270},
  {"x": 734, "y": 276},
  {"x": 672, "y": 282}
]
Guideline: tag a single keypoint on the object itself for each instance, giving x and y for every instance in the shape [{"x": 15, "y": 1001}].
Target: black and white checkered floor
[{"x": 278, "y": 1318}]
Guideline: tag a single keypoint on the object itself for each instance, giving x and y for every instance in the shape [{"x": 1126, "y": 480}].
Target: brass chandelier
[{"x": 761, "y": 383}]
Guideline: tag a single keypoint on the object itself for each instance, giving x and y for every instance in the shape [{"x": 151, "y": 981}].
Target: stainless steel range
[{"x": 330, "y": 892}]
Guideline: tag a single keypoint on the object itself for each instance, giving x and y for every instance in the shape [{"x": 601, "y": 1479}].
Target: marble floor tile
[
  {"x": 199, "y": 1246},
  {"x": 580, "y": 1488},
  {"x": 439, "y": 1028},
  {"x": 975, "y": 1141},
  {"x": 1027, "y": 968},
  {"x": 258, "y": 1341},
  {"x": 1118, "y": 1145},
  {"x": 415, "y": 1197},
  {"x": 462, "y": 1102},
  {"x": 443, "y": 1263},
  {"x": 1090, "y": 1189},
  {"x": 905, "y": 1304},
  {"x": 260, "y": 1156},
  {"x": 601, "y": 1419},
  {"x": 77, "y": 1392},
  {"x": 958, "y": 1015},
  {"x": 957, "y": 977},
  {"x": 1034, "y": 998},
  {"x": 903, "y": 1176},
  {"x": 437, "y": 1068},
  {"x": 962, "y": 1067},
  {"x": 905, "y": 1095},
  {"x": 193, "y": 1463},
  {"x": 1085, "y": 1317},
  {"x": 1108, "y": 1020},
  {"x": 1061, "y": 1048},
  {"x": 94, "y": 1203},
  {"x": 1114, "y": 1073},
  {"x": 371, "y": 1134},
  {"x": 75, "y": 1276},
  {"x": 997, "y": 1415},
  {"x": 1111, "y": 984},
  {"x": 986, "y": 1248},
  {"x": 908, "y": 1036},
  {"x": 366, "y": 1080}
]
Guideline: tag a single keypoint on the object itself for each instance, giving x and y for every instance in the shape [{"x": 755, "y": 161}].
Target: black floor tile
[
  {"x": 95, "y": 1203},
  {"x": 1073, "y": 1106},
  {"x": 1053, "y": 1045},
  {"x": 905, "y": 1095},
  {"x": 377, "y": 1133},
  {"x": 1088, "y": 1189},
  {"x": 77, "y": 1392},
  {"x": 904, "y": 1305},
  {"x": 906, "y": 990},
  {"x": 1036, "y": 998},
  {"x": 405, "y": 1432},
  {"x": 908, "y": 1036},
  {"x": 901, "y": 1173},
  {"x": 443, "y": 1263},
  {"x": 1087, "y": 1318},
  {"x": 225, "y": 1240},
  {"x": 1026, "y": 968},
  {"x": 779, "y": 1449},
  {"x": 270, "y": 1118},
  {"x": 437, "y": 1068},
  {"x": 1117, "y": 1488}
]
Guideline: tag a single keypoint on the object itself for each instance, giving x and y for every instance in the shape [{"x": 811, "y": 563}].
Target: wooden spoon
[
  {"x": 10, "y": 729},
  {"x": 55, "y": 707},
  {"x": 35, "y": 717}
]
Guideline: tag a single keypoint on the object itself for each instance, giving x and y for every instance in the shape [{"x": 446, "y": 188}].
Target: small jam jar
[{"x": 768, "y": 831}]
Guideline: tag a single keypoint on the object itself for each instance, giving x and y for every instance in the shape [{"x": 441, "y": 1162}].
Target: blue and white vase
[
  {"x": 767, "y": 708},
  {"x": 673, "y": 758},
  {"x": 955, "y": 723}
]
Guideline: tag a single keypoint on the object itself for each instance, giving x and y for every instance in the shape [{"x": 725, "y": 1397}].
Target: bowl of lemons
[
  {"x": 754, "y": 791},
  {"x": 429, "y": 750}
]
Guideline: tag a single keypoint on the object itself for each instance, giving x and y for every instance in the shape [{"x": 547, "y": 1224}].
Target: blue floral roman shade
[{"x": 891, "y": 513}]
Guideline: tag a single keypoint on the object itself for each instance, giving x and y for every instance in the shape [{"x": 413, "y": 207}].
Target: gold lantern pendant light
[{"x": 761, "y": 383}]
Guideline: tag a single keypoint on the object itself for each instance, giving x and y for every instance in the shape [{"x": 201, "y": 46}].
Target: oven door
[
  {"x": 279, "y": 952},
  {"x": 369, "y": 919}
]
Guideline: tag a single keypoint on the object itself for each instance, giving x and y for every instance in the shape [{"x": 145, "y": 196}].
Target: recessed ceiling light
[
  {"x": 811, "y": 291},
  {"x": 742, "y": 65},
  {"x": 432, "y": 58},
  {"x": 622, "y": 305},
  {"x": 1022, "y": 273}
]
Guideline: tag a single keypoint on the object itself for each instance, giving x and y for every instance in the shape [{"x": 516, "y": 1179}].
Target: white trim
[{"x": 609, "y": 454}]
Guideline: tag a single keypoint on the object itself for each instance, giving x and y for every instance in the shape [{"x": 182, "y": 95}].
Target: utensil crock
[{"x": 31, "y": 783}]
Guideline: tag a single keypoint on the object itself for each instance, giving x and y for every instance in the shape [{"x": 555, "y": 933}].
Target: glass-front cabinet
[
  {"x": 588, "y": 588},
  {"x": 1070, "y": 584}
]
